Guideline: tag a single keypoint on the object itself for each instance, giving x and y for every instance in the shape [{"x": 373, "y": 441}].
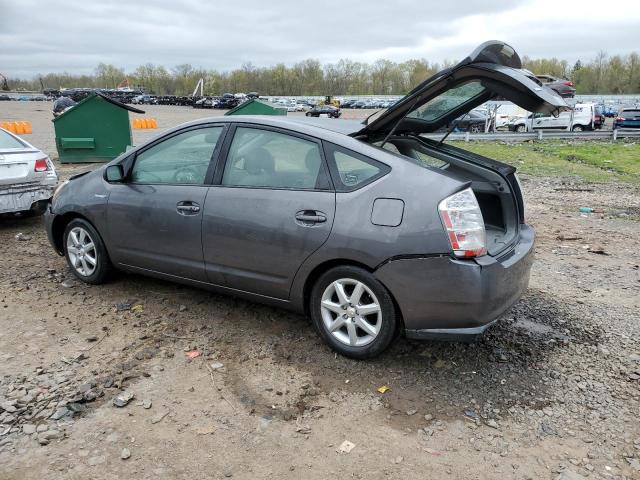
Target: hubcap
[
  {"x": 351, "y": 312},
  {"x": 82, "y": 251}
]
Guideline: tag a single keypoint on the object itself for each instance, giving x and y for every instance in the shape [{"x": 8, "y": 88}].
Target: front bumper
[
  {"x": 19, "y": 197},
  {"x": 443, "y": 297}
]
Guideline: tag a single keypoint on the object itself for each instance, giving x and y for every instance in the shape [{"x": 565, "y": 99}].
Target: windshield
[
  {"x": 447, "y": 101},
  {"x": 7, "y": 141}
]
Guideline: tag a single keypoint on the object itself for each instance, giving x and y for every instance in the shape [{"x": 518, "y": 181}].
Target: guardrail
[{"x": 613, "y": 135}]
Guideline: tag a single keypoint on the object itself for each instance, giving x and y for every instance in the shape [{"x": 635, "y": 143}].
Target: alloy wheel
[
  {"x": 351, "y": 313},
  {"x": 82, "y": 252}
]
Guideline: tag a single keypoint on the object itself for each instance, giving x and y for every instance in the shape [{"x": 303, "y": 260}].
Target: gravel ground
[{"x": 552, "y": 391}]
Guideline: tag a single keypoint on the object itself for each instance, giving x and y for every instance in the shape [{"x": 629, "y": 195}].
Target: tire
[
  {"x": 475, "y": 128},
  {"x": 520, "y": 129},
  {"x": 307, "y": 114},
  {"x": 577, "y": 128},
  {"x": 79, "y": 257},
  {"x": 349, "y": 338}
]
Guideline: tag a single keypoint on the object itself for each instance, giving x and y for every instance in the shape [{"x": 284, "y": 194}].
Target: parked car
[
  {"x": 328, "y": 110},
  {"x": 473, "y": 122},
  {"x": 144, "y": 100},
  {"x": 27, "y": 176},
  {"x": 583, "y": 119},
  {"x": 4, "y": 98},
  {"x": 599, "y": 118},
  {"x": 565, "y": 88},
  {"x": 372, "y": 230},
  {"x": 628, "y": 118}
]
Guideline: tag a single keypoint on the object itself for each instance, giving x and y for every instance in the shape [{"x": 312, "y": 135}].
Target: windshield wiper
[{"x": 452, "y": 128}]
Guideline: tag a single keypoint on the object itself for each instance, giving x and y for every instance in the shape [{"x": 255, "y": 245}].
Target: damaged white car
[{"x": 27, "y": 176}]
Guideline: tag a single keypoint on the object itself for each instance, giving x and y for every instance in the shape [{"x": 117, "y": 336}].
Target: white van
[{"x": 583, "y": 119}]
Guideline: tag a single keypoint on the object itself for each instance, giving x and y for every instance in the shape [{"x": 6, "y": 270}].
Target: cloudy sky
[{"x": 74, "y": 36}]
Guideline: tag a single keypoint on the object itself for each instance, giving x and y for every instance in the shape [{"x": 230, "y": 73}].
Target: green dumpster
[
  {"x": 96, "y": 129},
  {"x": 257, "y": 107}
]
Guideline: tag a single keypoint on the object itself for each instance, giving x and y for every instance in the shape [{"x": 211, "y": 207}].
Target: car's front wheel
[
  {"x": 353, "y": 312},
  {"x": 85, "y": 252},
  {"x": 521, "y": 129}
]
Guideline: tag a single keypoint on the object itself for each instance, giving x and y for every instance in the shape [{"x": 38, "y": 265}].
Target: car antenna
[
  {"x": 452, "y": 128},
  {"x": 393, "y": 130}
]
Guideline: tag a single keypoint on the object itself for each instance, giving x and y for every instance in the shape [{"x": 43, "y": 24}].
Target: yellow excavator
[{"x": 329, "y": 100}]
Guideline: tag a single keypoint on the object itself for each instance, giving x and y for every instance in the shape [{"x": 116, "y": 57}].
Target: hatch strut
[
  {"x": 452, "y": 128},
  {"x": 393, "y": 130}
]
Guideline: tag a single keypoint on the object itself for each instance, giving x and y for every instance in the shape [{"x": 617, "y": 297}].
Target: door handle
[
  {"x": 310, "y": 216},
  {"x": 187, "y": 208}
]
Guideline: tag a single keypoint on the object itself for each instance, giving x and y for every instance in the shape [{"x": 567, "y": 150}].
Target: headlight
[{"x": 58, "y": 189}]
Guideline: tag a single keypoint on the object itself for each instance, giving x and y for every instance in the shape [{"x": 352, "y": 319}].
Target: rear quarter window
[
  {"x": 350, "y": 170},
  {"x": 8, "y": 141}
]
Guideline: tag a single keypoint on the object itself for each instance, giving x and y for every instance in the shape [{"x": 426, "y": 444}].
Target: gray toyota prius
[{"x": 369, "y": 228}]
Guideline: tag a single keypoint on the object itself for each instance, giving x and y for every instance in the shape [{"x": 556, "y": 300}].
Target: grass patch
[{"x": 591, "y": 161}]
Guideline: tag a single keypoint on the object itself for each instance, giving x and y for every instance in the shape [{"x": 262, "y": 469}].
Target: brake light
[
  {"x": 462, "y": 219},
  {"x": 568, "y": 83},
  {"x": 620, "y": 119},
  {"x": 41, "y": 165}
]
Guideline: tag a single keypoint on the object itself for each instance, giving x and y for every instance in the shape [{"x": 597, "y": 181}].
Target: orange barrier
[
  {"x": 142, "y": 123},
  {"x": 19, "y": 128}
]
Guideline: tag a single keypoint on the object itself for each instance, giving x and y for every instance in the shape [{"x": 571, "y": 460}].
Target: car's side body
[{"x": 273, "y": 206}]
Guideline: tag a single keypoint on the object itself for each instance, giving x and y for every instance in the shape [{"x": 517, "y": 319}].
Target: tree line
[{"x": 618, "y": 74}]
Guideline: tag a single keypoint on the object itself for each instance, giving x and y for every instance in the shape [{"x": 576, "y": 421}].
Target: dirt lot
[{"x": 551, "y": 391}]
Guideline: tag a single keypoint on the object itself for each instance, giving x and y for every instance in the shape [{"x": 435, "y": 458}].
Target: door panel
[
  {"x": 148, "y": 229},
  {"x": 253, "y": 241},
  {"x": 155, "y": 217}
]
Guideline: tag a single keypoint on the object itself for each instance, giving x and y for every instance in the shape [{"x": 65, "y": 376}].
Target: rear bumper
[
  {"x": 21, "y": 196},
  {"x": 443, "y": 297}
]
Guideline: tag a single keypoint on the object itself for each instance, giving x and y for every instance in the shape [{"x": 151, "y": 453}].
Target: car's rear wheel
[
  {"x": 475, "y": 128},
  {"x": 520, "y": 129},
  {"x": 577, "y": 128},
  {"x": 353, "y": 312},
  {"x": 85, "y": 252}
]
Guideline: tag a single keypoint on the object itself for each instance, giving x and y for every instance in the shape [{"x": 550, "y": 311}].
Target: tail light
[
  {"x": 620, "y": 119},
  {"x": 462, "y": 219},
  {"x": 41, "y": 165},
  {"x": 568, "y": 83}
]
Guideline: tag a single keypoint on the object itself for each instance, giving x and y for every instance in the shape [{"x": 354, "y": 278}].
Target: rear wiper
[{"x": 452, "y": 128}]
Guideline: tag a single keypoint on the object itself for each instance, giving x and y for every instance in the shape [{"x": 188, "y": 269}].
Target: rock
[
  {"x": 28, "y": 428},
  {"x": 42, "y": 428},
  {"x": 412, "y": 411},
  {"x": 217, "y": 365},
  {"x": 570, "y": 475},
  {"x": 159, "y": 416},
  {"x": 123, "y": 399},
  {"x": 67, "y": 284},
  {"x": 92, "y": 338},
  {"x": 23, "y": 237},
  {"x": 428, "y": 417},
  {"x": 8, "y": 407},
  {"x": 125, "y": 453},
  {"x": 492, "y": 423},
  {"x": 398, "y": 459},
  {"x": 59, "y": 413},
  {"x": 146, "y": 404},
  {"x": 42, "y": 440},
  {"x": 182, "y": 308},
  {"x": 123, "y": 307},
  {"x": 97, "y": 460},
  {"x": 51, "y": 434}
]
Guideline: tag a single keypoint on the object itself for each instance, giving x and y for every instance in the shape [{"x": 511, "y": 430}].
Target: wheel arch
[
  {"x": 323, "y": 267},
  {"x": 59, "y": 225}
]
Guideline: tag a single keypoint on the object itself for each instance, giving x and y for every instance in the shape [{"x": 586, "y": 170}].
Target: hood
[{"x": 493, "y": 70}]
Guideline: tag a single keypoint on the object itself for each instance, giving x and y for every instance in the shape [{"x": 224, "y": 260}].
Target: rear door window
[{"x": 270, "y": 159}]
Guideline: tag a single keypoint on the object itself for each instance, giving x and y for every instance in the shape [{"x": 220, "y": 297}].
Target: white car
[
  {"x": 583, "y": 119},
  {"x": 27, "y": 176}
]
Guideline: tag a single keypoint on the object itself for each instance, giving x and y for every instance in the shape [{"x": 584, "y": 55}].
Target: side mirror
[{"x": 114, "y": 174}]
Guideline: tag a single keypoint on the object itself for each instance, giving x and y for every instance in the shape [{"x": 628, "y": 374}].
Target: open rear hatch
[{"x": 492, "y": 71}]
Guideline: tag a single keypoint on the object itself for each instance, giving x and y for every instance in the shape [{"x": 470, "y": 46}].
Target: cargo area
[{"x": 493, "y": 184}]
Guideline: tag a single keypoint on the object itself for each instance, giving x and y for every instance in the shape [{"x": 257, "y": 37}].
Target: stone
[
  {"x": 42, "y": 428},
  {"x": 125, "y": 454},
  {"x": 97, "y": 460},
  {"x": 412, "y": 411},
  {"x": 217, "y": 365},
  {"x": 428, "y": 417},
  {"x": 123, "y": 399},
  {"x": 146, "y": 404},
  {"x": 59, "y": 413},
  {"x": 570, "y": 475},
  {"x": 492, "y": 423},
  {"x": 28, "y": 429}
]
